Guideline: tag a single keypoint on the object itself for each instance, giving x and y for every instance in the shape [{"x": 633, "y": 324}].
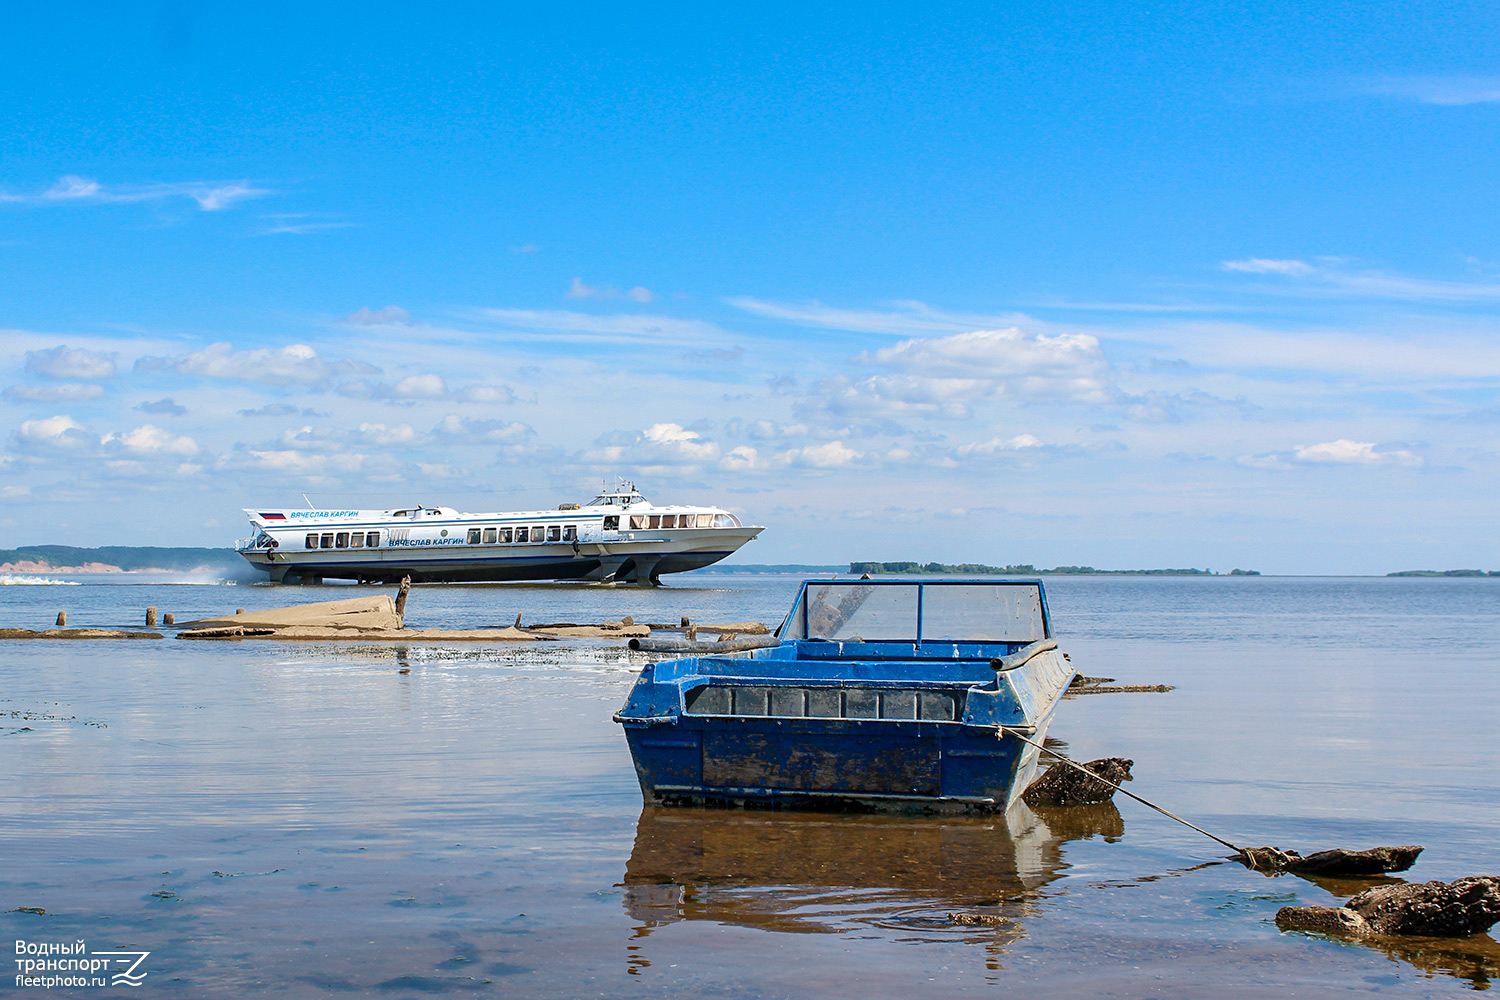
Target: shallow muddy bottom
[{"x": 270, "y": 819}]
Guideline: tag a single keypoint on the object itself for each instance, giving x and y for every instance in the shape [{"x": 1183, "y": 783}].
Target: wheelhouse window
[
  {"x": 505, "y": 534},
  {"x": 726, "y": 521},
  {"x": 372, "y": 540},
  {"x": 312, "y": 542},
  {"x": 612, "y": 523},
  {"x": 554, "y": 533},
  {"x": 570, "y": 533},
  {"x": 328, "y": 540},
  {"x": 523, "y": 534},
  {"x": 473, "y": 538},
  {"x": 489, "y": 536}
]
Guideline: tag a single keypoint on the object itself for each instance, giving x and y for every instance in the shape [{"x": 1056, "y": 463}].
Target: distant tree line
[
  {"x": 127, "y": 557},
  {"x": 1022, "y": 569},
  {"x": 1445, "y": 572}
]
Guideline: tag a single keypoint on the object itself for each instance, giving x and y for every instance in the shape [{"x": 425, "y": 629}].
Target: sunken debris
[
  {"x": 1331, "y": 864},
  {"x": 1460, "y": 908},
  {"x": 1062, "y": 785}
]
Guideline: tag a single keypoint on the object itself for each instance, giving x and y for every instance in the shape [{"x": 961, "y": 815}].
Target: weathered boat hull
[{"x": 831, "y": 720}]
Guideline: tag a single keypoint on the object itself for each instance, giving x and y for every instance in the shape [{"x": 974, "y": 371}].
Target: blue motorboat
[{"x": 873, "y": 694}]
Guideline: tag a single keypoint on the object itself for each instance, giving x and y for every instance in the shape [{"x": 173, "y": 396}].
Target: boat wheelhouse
[
  {"x": 885, "y": 694},
  {"x": 618, "y": 536}
]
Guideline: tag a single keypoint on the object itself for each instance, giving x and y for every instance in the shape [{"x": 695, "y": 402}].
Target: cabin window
[
  {"x": 612, "y": 523},
  {"x": 312, "y": 541},
  {"x": 342, "y": 540},
  {"x": 637, "y": 522},
  {"x": 372, "y": 540},
  {"x": 328, "y": 540},
  {"x": 538, "y": 533},
  {"x": 653, "y": 521},
  {"x": 523, "y": 534},
  {"x": 570, "y": 533},
  {"x": 705, "y": 520},
  {"x": 554, "y": 533},
  {"x": 473, "y": 536},
  {"x": 505, "y": 534},
  {"x": 489, "y": 536},
  {"x": 357, "y": 540},
  {"x": 726, "y": 521}
]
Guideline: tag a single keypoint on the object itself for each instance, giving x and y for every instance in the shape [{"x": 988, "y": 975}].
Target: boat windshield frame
[{"x": 798, "y": 627}]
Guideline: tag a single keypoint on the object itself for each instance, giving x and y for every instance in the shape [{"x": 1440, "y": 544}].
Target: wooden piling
[
  {"x": 62, "y": 619},
  {"x": 151, "y": 618},
  {"x": 168, "y": 618},
  {"x": 686, "y": 621},
  {"x": 401, "y": 596}
]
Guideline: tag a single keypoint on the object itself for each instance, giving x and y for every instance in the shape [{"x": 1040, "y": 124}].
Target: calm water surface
[{"x": 304, "y": 820}]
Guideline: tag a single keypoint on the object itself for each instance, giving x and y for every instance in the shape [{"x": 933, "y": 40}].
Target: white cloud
[
  {"x": 65, "y": 392},
  {"x": 210, "y": 196},
  {"x": 425, "y": 386},
  {"x": 389, "y": 316},
  {"x": 558, "y": 324},
  {"x": 397, "y": 436},
  {"x": 162, "y": 407},
  {"x": 59, "y": 433},
  {"x": 488, "y": 394},
  {"x": 484, "y": 431},
  {"x": 903, "y": 318},
  {"x": 295, "y": 364},
  {"x": 1340, "y": 452},
  {"x": 829, "y": 455},
  {"x": 1346, "y": 452},
  {"x": 1450, "y": 91},
  {"x": 578, "y": 290},
  {"x": 151, "y": 440},
  {"x": 1260, "y": 265},
  {"x": 64, "y": 362},
  {"x": 1336, "y": 276},
  {"x": 1069, "y": 363},
  {"x": 996, "y": 445}
]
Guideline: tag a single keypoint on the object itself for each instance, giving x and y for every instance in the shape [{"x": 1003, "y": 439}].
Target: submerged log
[
  {"x": 1062, "y": 785},
  {"x": 1426, "y": 909},
  {"x": 358, "y": 613},
  {"x": 652, "y": 645},
  {"x": 75, "y": 633},
  {"x": 1332, "y": 863}
]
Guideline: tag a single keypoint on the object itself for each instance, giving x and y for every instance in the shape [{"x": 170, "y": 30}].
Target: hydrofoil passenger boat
[{"x": 617, "y": 537}]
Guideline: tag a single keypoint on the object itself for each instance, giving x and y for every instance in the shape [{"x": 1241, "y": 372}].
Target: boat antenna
[{"x": 308, "y": 502}]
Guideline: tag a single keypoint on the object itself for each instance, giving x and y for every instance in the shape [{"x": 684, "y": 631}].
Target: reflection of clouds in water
[{"x": 810, "y": 873}]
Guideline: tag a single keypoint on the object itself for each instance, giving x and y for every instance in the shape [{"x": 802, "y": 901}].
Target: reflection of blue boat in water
[
  {"x": 818, "y": 873},
  {"x": 880, "y": 695}
]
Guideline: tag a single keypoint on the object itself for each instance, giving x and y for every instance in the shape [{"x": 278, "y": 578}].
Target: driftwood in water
[
  {"x": 651, "y": 645},
  {"x": 75, "y": 633},
  {"x": 1426, "y": 909},
  {"x": 1105, "y": 685},
  {"x": 1062, "y": 785},
  {"x": 1334, "y": 863}
]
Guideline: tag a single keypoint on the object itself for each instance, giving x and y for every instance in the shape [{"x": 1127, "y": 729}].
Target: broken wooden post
[
  {"x": 1065, "y": 786},
  {"x": 151, "y": 618},
  {"x": 239, "y": 611},
  {"x": 686, "y": 621},
  {"x": 168, "y": 618},
  {"x": 518, "y": 619},
  {"x": 62, "y": 619},
  {"x": 401, "y": 595}
]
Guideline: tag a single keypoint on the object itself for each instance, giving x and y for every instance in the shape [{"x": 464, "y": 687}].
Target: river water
[{"x": 307, "y": 820}]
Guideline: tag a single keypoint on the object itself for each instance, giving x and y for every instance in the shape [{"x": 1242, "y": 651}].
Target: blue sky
[{"x": 1207, "y": 286}]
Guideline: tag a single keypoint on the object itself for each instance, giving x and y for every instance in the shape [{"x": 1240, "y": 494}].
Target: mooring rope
[{"x": 1077, "y": 766}]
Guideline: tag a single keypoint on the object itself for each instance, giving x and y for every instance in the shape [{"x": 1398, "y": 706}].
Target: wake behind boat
[{"x": 617, "y": 537}]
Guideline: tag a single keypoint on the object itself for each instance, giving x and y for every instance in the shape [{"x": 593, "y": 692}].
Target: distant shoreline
[{"x": 70, "y": 560}]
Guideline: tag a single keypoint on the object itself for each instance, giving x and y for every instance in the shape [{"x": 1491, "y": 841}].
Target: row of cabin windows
[
  {"x": 525, "y": 533},
  {"x": 648, "y": 521},
  {"x": 344, "y": 540}
]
